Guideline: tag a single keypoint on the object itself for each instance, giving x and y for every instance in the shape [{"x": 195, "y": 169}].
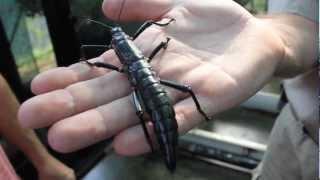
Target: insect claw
[
  {"x": 172, "y": 20},
  {"x": 121, "y": 70},
  {"x": 164, "y": 24},
  {"x": 166, "y": 43},
  {"x": 87, "y": 63}
]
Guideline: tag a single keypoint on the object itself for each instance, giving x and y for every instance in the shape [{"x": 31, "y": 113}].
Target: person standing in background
[{"x": 294, "y": 144}]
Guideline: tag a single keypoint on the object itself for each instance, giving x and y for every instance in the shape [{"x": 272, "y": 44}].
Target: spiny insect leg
[
  {"x": 162, "y": 45},
  {"x": 97, "y": 64},
  {"x": 148, "y": 24},
  {"x": 103, "y": 65},
  {"x": 186, "y": 89},
  {"x": 140, "y": 112}
]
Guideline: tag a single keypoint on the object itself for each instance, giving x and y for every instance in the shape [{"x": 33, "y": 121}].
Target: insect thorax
[{"x": 124, "y": 47}]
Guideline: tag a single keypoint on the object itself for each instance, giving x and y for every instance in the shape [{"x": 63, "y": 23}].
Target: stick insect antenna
[{"x": 100, "y": 23}]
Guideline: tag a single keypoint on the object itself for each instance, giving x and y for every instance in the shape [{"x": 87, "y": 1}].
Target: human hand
[{"x": 218, "y": 48}]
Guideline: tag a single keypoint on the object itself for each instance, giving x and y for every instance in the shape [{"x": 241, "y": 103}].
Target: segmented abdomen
[
  {"x": 158, "y": 105},
  {"x": 155, "y": 99}
]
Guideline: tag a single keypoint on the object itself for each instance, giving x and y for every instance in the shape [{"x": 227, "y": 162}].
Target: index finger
[{"x": 61, "y": 77}]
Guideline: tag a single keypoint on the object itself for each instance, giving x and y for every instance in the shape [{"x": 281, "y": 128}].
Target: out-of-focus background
[{"x": 36, "y": 35}]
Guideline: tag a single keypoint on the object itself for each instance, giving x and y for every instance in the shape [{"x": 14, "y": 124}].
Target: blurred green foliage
[
  {"x": 30, "y": 7},
  {"x": 78, "y": 7}
]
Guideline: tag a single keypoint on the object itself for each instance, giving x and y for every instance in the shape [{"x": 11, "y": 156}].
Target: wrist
[
  {"x": 275, "y": 46},
  {"x": 270, "y": 49},
  {"x": 295, "y": 40}
]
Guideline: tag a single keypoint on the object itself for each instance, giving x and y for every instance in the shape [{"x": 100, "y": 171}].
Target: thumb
[{"x": 137, "y": 10}]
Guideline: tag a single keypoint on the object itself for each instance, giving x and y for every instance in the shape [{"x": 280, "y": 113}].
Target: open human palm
[{"x": 216, "y": 47}]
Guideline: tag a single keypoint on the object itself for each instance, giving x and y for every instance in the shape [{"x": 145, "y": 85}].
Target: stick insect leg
[
  {"x": 97, "y": 64},
  {"x": 139, "y": 113},
  {"x": 162, "y": 45},
  {"x": 148, "y": 24},
  {"x": 187, "y": 89},
  {"x": 103, "y": 65}
]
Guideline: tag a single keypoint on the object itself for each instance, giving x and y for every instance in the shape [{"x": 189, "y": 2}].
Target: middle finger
[
  {"x": 45, "y": 109},
  {"x": 92, "y": 126}
]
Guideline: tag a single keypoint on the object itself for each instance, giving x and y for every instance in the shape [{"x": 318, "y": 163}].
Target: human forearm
[
  {"x": 24, "y": 139},
  {"x": 299, "y": 43}
]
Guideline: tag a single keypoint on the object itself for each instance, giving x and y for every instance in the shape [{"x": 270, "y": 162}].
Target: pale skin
[
  {"x": 26, "y": 140},
  {"x": 218, "y": 48}
]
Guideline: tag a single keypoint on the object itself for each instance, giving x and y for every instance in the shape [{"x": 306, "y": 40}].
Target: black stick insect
[{"x": 148, "y": 93}]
